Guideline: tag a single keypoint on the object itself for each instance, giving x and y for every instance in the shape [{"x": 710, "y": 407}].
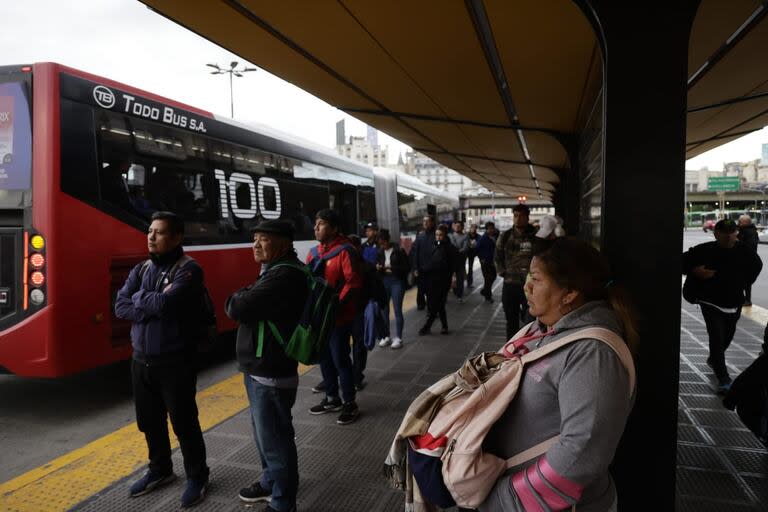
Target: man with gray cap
[{"x": 271, "y": 378}]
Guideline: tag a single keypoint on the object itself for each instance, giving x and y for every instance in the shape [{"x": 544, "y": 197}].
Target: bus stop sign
[{"x": 724, "y": 184}]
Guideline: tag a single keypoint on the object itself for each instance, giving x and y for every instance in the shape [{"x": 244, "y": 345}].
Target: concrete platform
[{"x": 721, "y": 466}]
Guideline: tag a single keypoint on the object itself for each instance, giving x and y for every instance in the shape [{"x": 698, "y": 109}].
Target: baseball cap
[
  {"x": 547, "y": 226},
  {"x": 371, "y": 225},
  {"x": 276, "y": 227}
]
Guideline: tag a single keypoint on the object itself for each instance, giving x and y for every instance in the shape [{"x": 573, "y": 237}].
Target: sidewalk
[
  {"x": 340, "y": 466},
  {"x": 721, "y": 467},
  {"x": 720, "y": 464}
]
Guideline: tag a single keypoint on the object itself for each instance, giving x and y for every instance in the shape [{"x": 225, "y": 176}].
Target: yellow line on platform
[{"x": 72, "y": 478}]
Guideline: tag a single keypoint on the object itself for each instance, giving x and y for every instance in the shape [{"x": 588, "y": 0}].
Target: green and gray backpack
[{"x": 310, "y": 337}]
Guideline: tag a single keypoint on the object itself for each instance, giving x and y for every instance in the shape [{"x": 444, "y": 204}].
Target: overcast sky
[{"x": 125, "y": 41}]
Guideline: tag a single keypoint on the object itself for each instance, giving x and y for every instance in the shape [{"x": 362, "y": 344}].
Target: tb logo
[{"x": 104, "y": 96}]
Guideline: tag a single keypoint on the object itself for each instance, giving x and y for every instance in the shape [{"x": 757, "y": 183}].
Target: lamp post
[{"x": 232, "y": 71}]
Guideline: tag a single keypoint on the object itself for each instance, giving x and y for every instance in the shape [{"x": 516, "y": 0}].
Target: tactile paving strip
[
  {"x": 749, "y": 461},
  {"x": 699, "y": 457},
  {"x": 710, "y": 484}
]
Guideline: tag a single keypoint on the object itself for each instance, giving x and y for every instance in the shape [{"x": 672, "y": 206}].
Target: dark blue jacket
[
  {"x": 422, "y": 250},
  {"x": 485, "y": 248},
  {"x": 370, "y": 252},
  {"x": 163, "y": 322}
]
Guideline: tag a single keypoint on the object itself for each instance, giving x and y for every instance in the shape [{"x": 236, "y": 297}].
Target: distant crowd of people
[{"x": 554, "y": 286}]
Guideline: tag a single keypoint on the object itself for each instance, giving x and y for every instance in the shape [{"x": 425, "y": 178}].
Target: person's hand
[
  {"x": 702, "y": 272},
  {"x": 167, "y": 287},
  {"x": 379, "y": 266},
  {"x": 415, "y": 273}
]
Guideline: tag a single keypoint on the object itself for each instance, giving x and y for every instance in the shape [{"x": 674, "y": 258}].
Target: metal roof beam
[
  {"x": 754, "y": 19},
  {"x": 479, "y": 17}
]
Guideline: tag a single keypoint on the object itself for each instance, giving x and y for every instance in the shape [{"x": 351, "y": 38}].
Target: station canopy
[{"x": 494, "y": 89}]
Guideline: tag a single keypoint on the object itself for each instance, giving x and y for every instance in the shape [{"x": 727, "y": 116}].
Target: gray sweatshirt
[
  {"x": 580, "y": 392},
  {"x": 460, "y": 242}
]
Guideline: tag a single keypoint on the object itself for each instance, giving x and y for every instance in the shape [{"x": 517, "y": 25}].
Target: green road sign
[{"x": 724, "y": 184}]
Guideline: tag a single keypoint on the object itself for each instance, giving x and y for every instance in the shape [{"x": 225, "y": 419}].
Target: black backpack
[
  {"x": 206, "y": 316},
  {"x": 749, "y": 396}
]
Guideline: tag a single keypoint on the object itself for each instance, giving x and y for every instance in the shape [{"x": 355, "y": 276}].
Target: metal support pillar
[{"x": 645, "y": 50}]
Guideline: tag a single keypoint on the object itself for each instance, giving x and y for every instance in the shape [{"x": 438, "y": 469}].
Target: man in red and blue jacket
[{"x": 336, "y": 260}]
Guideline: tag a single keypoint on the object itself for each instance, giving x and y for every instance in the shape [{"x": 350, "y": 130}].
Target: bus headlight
[{"x": 37, "y": 296}]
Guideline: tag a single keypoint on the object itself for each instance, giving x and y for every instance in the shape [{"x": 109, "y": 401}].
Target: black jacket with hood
[
  {"x": 735, "y": 268},
  {"x": 278, "y": 295}
]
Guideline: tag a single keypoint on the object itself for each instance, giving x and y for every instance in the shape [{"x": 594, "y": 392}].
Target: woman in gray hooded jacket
[{"x": 580, "y": 392}]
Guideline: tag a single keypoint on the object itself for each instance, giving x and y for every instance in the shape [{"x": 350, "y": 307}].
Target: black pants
[
  {"x": 515, "y": 306},
  {"x": 470, "y": 267},
  {"x": 720, "y": 327},
  {"x": 437, "y": 294},
  {"x": 489, "y": 276},
  {"x": 748, "y": 294},
  {"x": 421, "y": 291},
  {"x": 162, "y": 390}
]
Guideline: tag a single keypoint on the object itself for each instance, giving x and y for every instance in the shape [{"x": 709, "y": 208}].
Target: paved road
[{"x": 760, "y": 288}]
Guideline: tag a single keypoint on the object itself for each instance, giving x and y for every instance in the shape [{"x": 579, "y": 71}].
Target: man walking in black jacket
[
  {"x": 749, "y": 237},
  {"x": 271, "y": 378},
  {"x": 421, "y": 255},
  {"x": 720, "y": 271},
  {"x": 163, "y": 299}
]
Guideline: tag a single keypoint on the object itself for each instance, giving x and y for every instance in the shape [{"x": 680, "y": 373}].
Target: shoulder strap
[
  {"x": 176, "y": 266},
  {"x": 302, "y": 268},
  {"x": 612, "y": 339},
  {"x": 607, "y": 336},
  {"x": 336, "y": 251},
  {"x": 144, "y": 267},
  {"x": 532, "y": 452}
]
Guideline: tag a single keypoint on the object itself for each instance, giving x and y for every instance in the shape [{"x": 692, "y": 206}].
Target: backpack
[
  {"x": 447, "y": 461},
  {"x": 317, "y": 263},
  {"x": 691, "y": 289},
  {"x": 309, "y": 339},
  {"x": 749, "y": 396},
  {"x": 206, "y": 316}
]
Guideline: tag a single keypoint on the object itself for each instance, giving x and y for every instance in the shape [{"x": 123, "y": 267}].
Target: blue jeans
[
  {"x": 359, "y": 352},
  {"x": 395, "y": 292},
  {"x": 273, "y": 431},
  {"x": 336, "y": 365}
]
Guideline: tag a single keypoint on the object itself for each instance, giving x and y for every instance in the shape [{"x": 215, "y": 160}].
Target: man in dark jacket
[
  {"x": 163, "y": 298},
  {"x": 437, "y": 274},
  {"x": 271, "y": 378},
  {"x": 421, "y": 254},
  {"x": 749, "y": 237},
  {"x": 486, "y": 247},
  {"x": 721, "y": 270},
  {"x": 514, "y": 252}
]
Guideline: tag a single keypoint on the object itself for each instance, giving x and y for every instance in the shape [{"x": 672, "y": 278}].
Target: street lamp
[{"x": 232, "y": 71}]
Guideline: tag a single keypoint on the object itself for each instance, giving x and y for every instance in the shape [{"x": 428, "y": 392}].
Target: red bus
[{"x": 85, "y": 161}]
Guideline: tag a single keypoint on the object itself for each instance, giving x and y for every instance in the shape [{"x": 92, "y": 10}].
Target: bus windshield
[{"x": 15, "y": 144}]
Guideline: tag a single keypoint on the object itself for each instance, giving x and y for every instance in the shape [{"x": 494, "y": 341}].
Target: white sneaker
[
  {"x": 384, "y": 342},
  {"x": 397, "y": 343}
]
